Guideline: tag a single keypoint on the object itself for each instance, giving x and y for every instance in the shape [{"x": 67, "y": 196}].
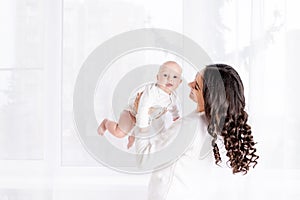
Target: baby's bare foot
[
  {"x": 130, "y": 141},
  {"x": 101, "y": 128}
]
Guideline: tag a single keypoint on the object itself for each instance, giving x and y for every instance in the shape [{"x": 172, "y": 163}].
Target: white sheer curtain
[
  {"x": 21, "y": 72},
  {"x": 30, "y": 64},
  {"x": 44, "y": 43}
]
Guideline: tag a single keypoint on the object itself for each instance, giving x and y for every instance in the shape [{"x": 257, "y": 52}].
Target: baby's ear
[{"x": 180, "y": 80}]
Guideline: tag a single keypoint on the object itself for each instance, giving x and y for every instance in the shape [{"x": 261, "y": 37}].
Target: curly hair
[{"x": 224, "y": 105}]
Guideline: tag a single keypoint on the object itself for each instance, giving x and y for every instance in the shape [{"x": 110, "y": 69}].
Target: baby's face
[{"x": 169, "y": 77}]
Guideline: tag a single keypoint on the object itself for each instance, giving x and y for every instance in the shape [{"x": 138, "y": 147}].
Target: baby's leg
[
  {"x": 120, "y": 129},
  {"x": 114, "y": 129},
  {"x": 131, "y": 138},
  {"x": 126, "y": 122}
]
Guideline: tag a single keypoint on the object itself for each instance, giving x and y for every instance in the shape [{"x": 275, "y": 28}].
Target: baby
[{"x": 154, "y": 101}]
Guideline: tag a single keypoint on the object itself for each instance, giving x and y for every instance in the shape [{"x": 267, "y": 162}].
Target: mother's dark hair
[{"x": 224, "y": 105}]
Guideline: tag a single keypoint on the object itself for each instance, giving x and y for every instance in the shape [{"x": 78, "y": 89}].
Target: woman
[{"x": 219, "y": 94}]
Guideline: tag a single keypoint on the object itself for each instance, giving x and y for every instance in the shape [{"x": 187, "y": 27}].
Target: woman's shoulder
[{"x": 196, "y": 116}]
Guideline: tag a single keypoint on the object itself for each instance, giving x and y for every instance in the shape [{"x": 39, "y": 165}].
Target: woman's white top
[{"x": 189, "y": 177}]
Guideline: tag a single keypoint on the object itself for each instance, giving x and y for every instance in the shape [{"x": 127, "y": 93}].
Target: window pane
[
  {"x": 21, "y": 114},
  {"x": 22, "y": 38}
]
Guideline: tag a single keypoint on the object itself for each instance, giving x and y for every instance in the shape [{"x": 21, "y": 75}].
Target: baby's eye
[
  {"x": 174, "y": 76},
  {"x": 165, "y": 75}
]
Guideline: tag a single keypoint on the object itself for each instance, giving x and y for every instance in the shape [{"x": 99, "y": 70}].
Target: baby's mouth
[{"x": 169, "y": 85}]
